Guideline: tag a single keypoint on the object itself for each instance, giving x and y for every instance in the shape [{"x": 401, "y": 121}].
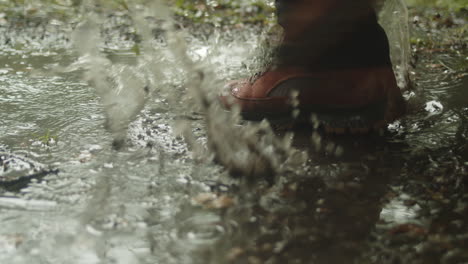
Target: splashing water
[
  {"x": 141, "y": 204},
  {"x": 179, "y": 80},
  {"x": 124, "y": 89},
  {"x": 395, "y": 21}
]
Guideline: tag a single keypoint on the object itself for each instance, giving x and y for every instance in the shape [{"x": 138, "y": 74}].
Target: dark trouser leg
[
  {"x": 331, "y": 34},
  {"x": 282, "y": 6}
]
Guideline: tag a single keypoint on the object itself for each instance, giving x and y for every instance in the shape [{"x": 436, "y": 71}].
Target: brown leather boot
[{"x": 333, "y": 64}]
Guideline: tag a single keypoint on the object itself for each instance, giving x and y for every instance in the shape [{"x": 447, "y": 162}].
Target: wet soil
[
  {"x": 396, "y": 197},
  {"x": 400, "y": 197}
]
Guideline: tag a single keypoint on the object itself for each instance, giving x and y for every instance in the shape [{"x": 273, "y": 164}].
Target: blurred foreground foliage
[
  {"x": 218, "y": 12},
  {"x": 456, "y": 5},
  {"x": 225, "y": 11}
]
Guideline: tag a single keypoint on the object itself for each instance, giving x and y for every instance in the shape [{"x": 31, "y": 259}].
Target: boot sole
[{"x": 333, "y": 120}]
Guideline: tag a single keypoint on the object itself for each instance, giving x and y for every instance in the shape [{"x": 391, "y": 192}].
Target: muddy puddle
[{"x": 71, "y": 193}]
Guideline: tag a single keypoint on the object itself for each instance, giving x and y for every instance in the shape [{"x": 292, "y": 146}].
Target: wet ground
[{"x": 67, "y": 195}]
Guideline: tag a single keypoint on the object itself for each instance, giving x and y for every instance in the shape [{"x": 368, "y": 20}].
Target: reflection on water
[
  {"x": 161, "y": 199},
  {"x": 397, "y": 212}
]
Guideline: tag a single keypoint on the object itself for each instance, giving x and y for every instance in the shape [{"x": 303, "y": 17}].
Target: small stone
[
  {"x": 411, "y": 229},
  {"x": 203, "y": 198},
  {"x": 222, "y": 201},
  {"x": 267, "y": 247},
  {"x": 212, "y": 201},
  {"x": 254, "y": 260},
  {"x": 461, "y": 207},
  {"x": 234, "y": 253},
  {"x": 339, "y": 151}
]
